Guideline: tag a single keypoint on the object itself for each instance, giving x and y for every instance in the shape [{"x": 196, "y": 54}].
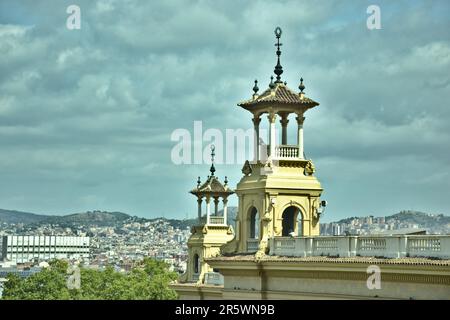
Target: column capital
[
  {"x": 300, "y": 119},
  {"x": 284, "y": 120},
  {"x": 256, "y": 120},
  {"x": 272, "y": 116}
]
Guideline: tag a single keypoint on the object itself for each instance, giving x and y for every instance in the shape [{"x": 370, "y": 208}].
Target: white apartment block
[{"x": 21, "y": 249}]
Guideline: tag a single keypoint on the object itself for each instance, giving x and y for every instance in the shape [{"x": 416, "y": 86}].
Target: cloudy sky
[{"x": 86, "y": 115}]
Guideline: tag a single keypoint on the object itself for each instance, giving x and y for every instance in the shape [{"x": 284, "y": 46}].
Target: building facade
[
  {"x": 277, "y": 253},
  {"x": 23, "y": 249}
]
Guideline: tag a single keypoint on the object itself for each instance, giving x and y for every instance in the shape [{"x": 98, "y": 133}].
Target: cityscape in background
[{"x": 119, "y": 240}]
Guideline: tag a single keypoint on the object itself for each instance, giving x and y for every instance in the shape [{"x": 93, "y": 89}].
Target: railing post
[
  {"x": 445, "y": 247},
  {"x": 353, "y": 246},
  {"x": 300, "y": 247},
  {"x": 343, "y": 247},
  {"x": 403, "y": 246},
  {"x": 393, "y": 247},
  {"x": 272, "y": 246},
  {"x": 309, "y": 247}
]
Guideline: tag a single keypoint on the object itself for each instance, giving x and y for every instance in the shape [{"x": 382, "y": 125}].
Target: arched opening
[
  {"x": 196, "y": 263},
  {"x": 254, "y": 223},
  {"x": 289, "y": 223}
]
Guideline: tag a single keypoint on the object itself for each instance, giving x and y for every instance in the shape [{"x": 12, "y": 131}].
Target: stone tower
[
  {"x": 212, "y": 231},
  {"x": 278, "y": 194}
]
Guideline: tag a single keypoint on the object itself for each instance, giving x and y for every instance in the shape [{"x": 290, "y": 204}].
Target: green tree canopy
[{"x": 148, "y": 280}]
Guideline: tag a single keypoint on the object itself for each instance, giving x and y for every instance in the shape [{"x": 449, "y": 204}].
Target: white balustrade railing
[
  {"x": 216, "y": 220},
  {"x": 430, "y": 246},
  {"x": 374, "y": 246},
  {"x": 424, "y": 245},
  {"x": 213, "y": 278},
  {"x": 252, "y": 245},
  {"x": 327, "y": 246},
  {"x": 286, "y": 152}
]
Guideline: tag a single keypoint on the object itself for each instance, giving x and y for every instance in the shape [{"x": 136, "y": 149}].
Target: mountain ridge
[
  {"x": 105, "y": 218},
  {"x": 96, "y": 217}
]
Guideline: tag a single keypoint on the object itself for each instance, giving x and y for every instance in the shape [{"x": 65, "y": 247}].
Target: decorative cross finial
[
  {"x": 255, "y": 88},
  {"x": 301, "y": 86},
  {"x": 278, "y": 68},
  {"x": 271, "y": 84},
  {"x": 212, "y": 169}
]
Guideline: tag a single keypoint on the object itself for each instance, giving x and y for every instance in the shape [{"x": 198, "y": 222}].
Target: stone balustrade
[
  {"x": 252, "y": 245},
  {"x": 213, "y": 278},
  {"x": 286, "y": 152},
  {"x": 216, "y": 220},
  {"x": 429, "y": 246}
]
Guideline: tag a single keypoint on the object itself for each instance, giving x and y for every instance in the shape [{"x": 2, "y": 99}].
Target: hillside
[
  {"x": 420, "y": 218},
  {"x": 85, "y": 218},
  {"x": 12, "y": 216},
  {"x": 413, "y": 217},
  {"x": 183, "y": 224},
  {"x": 91, "y": 218}
]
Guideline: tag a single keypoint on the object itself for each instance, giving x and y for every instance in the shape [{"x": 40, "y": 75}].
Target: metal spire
[
  {"x": 278, "y": 68},
  {"x": 212, "y": 169}
]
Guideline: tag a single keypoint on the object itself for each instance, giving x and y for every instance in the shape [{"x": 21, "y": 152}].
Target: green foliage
[
  {"x": 147, "y": 281},
  {"x": 49, "y": 284}
]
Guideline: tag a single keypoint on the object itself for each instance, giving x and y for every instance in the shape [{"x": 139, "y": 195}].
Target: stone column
[
  {"x": 225, "y": 210},
  {"x": 256, "y": 120},
  {"x": 208, "y": 209},
  {"x": 199, "y": 201},
  {"x": 272, "y": 117},
  {"x": 216, "y": 206},
  {"x": 300, "y": 119},
  {"x": 284, "y": 122}
]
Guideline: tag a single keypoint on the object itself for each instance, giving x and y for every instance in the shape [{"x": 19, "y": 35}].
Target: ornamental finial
[
  {"x": 198, "y": 182},
  {"x": 278, "y": 68},
  {"x": 271, "y": 84},
  {"x": 255, "y": 88},
  {"x": 301, "y": 86},
  {"x": 212, "y": 169}
]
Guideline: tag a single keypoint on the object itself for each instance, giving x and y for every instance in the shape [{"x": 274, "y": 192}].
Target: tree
[
  {"x": 148, "y": 280},
  {"x": 48, "y": 284}
]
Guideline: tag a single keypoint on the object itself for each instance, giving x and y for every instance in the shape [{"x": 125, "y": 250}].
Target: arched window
[
  {"x": 254, "y": 223},
  {"x": 196, "y": 263},
  {"x": 289, "y": 223}
]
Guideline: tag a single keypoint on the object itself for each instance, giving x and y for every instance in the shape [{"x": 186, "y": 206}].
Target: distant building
[
  {"x": 22, "y": 249},
  {"x": 336, "y": 229}
]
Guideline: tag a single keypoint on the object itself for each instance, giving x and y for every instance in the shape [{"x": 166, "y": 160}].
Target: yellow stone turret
[
  {"x": 279, "y": 194},
  {"x": 212, "y": 231}
]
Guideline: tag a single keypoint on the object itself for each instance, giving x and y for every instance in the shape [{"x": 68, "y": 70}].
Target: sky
[{"x": 87, "y": 115}]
